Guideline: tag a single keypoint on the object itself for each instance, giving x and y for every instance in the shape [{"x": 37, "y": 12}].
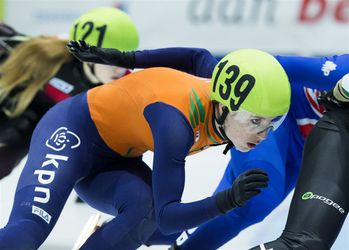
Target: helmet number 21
[
  {"x": 240, "y": 90},
  {"x": 89, "y": 27}
]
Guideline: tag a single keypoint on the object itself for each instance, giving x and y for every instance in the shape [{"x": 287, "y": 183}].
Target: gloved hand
[
  {"x": 245, "y": 186},
  {"x": 328, "y": 100},
  {"x": 88, "y": 53},
  {"x": 337, "y": 97}
]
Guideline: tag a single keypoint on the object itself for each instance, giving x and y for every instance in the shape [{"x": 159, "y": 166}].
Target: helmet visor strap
[{"x": 220, "y": 120}]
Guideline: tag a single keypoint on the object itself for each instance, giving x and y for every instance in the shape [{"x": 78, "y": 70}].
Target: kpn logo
[{"x": 327, "y": 201}]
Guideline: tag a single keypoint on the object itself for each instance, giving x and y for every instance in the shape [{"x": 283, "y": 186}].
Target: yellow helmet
[
  {"x": 106, "y": 27},
  {"x": 252, "y": 80}
]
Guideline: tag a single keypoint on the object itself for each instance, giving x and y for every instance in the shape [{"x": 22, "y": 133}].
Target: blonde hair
[{"x": 29, "y": 67}]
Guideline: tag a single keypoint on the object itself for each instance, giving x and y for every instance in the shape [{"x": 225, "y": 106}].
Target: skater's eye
[{"x": 256, "y": 121}]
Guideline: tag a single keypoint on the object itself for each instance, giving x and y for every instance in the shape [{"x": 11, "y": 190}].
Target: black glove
[
  {"x": 88, "y": 53},
  {"x": 328, "y": 100},
  {"x": 245, "y": 186}
]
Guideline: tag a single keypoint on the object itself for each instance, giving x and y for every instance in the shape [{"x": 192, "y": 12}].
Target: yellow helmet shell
[
  {"x": 106, "y": 27},
  {"x": 252, "y": 80}
]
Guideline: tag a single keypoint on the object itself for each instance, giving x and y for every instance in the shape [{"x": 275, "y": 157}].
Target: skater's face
[
  {"x": 246, "y": 130},
  {"x": 107, "y": 73}
]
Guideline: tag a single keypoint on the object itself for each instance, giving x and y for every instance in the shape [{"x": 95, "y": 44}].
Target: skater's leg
[
  {"x": 125, "y": 193},
  {"x": 321, "y": 199},
  {"x": 57, "y": 159}
]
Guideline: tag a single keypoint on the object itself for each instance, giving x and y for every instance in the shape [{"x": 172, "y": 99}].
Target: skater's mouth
[{"x": 251, "y": 145}]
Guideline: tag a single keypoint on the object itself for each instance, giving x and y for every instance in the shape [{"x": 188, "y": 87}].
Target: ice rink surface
[{"x": 203, "y": 172}]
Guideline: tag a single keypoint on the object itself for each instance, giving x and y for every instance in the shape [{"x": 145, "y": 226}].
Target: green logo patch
[{"x": 307, "y": 195}]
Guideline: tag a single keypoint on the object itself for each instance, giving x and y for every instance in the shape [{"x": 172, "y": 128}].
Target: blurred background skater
[{"x": 37, "y": 72}]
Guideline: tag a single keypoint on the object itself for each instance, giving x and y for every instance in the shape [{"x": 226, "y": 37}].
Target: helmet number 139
[{"x": 237, "y": 93}]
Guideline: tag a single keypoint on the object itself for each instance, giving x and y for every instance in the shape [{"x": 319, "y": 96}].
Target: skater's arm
[
  {"x": 173, "y": 138},
  {"x": 196, "y": 61},
  {"x": 320, "y": 73},
  {"x": 220, "y": 230}
]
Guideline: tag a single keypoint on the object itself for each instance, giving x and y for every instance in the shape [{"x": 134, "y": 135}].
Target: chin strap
[
  {"x": 229, "y": 146},
  {"x": 220, "y": 120}
]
